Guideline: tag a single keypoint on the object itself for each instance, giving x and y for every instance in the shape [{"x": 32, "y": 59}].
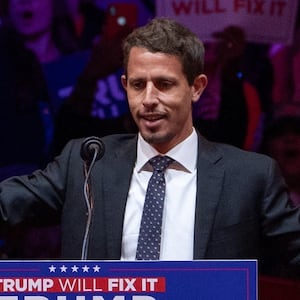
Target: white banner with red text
[{"x": 264, "y": 21}]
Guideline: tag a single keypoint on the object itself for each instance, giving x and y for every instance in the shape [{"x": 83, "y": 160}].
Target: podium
[{"x": 120, "y": 280}]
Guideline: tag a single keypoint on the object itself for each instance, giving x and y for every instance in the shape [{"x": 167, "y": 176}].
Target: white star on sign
[
  {"x": 63, "y": 269},
  {"x": 96, "y": 269},
  {"x": 85, "y": 268},
  {"x": 74, "y": 269},
  {"x": 52, "y": 269}
]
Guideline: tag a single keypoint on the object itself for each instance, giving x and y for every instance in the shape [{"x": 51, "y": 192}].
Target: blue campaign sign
[
  {"x": 110, "y": 99},
  {"x": 118, "y": 280}
]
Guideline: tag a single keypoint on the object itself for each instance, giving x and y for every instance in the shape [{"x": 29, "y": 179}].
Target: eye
[
  {"x": 138, "y": 84},
  {"x": 164, "y": 84}
]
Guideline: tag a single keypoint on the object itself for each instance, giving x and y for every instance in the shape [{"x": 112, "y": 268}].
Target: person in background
[
  {"x": 45, "y": 27},
  {"x": 88, "y": 20},
  {"x": 220, "y": 202},
  {"x": 281, "y": 141},
  {"x": 45, "y": 30},
  {"x": 229, "y": 110},
  {"x": 76, "y": 116},
  {"x": 285, "y": 61},
  {"x": 22, "y": 92},
  {"x": 32, "y": 34}
]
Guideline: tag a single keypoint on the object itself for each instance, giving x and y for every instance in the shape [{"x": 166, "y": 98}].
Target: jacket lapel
[
  {"x": 116, "y": 188},
  {"x": 210, "y": 174}
]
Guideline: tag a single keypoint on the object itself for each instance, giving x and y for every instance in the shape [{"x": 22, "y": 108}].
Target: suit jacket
[{"x": 242, "y": 205}]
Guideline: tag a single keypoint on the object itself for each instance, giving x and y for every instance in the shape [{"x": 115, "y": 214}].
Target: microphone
[{"x": 92, "y": 149}]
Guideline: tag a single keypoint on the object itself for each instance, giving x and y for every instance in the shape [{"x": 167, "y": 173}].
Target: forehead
[{"x": 142, "y": 60}]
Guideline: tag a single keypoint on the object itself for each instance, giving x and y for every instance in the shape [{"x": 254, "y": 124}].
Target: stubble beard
[{"x": 157, "y": 138}]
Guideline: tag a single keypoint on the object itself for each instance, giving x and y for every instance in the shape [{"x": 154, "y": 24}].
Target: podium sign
[{"x": 119, "y": 280}]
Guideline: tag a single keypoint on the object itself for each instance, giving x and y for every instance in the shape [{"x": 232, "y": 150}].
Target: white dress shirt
[{"x": 180, "y": 198}]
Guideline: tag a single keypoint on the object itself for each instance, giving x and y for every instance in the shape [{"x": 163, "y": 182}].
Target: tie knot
[{"x": 160, "y": 163}]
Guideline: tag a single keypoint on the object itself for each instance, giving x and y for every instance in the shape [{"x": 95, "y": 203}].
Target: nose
[{"x": 150, "y": 96}]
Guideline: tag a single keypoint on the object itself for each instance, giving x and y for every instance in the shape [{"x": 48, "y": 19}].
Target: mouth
[{"x": 152, "y": 120}]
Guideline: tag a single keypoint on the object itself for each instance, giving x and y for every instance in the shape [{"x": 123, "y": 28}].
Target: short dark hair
[{"x": 168, "y": 36}]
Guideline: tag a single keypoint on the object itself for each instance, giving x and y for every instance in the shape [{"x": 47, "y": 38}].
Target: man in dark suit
[{"x": 220, "y": 202}]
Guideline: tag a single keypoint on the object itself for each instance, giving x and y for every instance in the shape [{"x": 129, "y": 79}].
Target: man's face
[
  {"x": 160, "y": 98},
  {"x": 31, "y": 17}
]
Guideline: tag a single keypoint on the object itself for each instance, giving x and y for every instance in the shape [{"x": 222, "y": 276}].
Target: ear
[
  {"x": 124, "y": 81},
  {"x": 198, "y": 87}
]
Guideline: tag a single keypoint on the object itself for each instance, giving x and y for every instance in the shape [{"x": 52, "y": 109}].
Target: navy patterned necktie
[{"x": 148, "y": 247}]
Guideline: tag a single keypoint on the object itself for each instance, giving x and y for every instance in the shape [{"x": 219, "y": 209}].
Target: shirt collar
[{"x": 185, "y": 153}]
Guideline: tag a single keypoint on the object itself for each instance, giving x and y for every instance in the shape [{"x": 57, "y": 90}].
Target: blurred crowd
[
  {"x": 60, "y": 79},
  {"x": 61, "y": 62}
]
